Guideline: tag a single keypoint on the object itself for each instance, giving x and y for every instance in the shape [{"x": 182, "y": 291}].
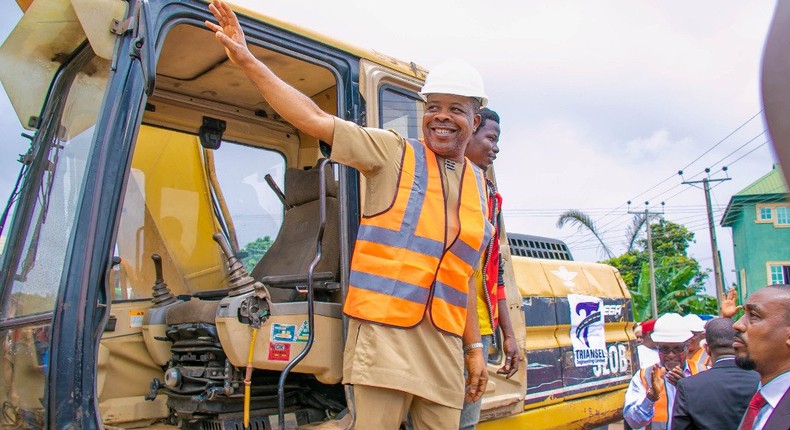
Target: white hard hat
[
  {"x": 670, "y": 328},
  {"x": 455, "y": 77},
  {"x": 694, "y": 323}
]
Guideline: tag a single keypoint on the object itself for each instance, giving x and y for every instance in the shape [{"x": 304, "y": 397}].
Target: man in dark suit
[
  {"x": 762, "y": 343},
  {"x": 717, "y": 398}
]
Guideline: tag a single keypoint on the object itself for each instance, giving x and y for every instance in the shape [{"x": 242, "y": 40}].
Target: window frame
[
  {"x": 761, "y": 213},
  {"x": 784, "y": 271},
  {"x": 20, "y": 225},
  {"x": 786, "y": 216},
  {"x": 774, "y": 209},
  {"x": 417, "y": 118}
]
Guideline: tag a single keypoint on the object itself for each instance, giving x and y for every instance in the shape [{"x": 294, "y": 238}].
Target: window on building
[
  {"x": 783, "y": 215},
  {"x": 780, "y": 274},
  {"x": 765, "y": 214}
]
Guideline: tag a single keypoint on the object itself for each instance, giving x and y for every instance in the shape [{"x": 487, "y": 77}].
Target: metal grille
[{"x": 525, "y": 245}]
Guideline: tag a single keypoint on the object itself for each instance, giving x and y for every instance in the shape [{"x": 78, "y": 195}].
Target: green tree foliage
[
  {"x": 679, "y": 287},
  {"x": 668, "y": 238},
  {"x": 680, "y": 282},
  {"x": 679, "y": 278},
  {"x": 253, "y": 251}
]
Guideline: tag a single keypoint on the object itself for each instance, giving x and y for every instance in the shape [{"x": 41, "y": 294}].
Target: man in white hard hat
[
  {"x": 650, "y": 396},
  {"x": 413, "y": 324},
  {"x": 697, "y": 327}
]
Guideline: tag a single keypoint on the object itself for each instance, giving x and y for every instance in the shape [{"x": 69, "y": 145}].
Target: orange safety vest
[
  {"x": 661, "y": 406},
  {"x": 701, "y": 357},
  {"x": 400, "y": 264}
]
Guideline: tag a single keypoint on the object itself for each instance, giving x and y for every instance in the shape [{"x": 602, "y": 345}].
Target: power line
[
  {"x": 719, "y": 142},
  {"x": 698, "y": 158},
  {"x": 739, "y": 148},
  {"x": 744, "y": 155}
]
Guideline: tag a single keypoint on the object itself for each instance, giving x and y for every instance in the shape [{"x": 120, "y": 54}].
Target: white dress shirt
[
  {"x": 638, "y": 410},
  {"x": 772, "y": 392},
  {"x": 647, "y": 356}
]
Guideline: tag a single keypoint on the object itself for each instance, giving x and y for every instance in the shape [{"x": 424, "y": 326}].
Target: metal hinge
[{"x": 121, "y": 27}]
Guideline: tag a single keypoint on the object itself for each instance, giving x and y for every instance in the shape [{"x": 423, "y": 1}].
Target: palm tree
[
  {"x": 581, "y": 220},
  {"x": 632, "y": 232}
]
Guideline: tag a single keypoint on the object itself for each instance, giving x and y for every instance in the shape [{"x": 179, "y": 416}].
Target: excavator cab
[{"x": 178, "y": 253}]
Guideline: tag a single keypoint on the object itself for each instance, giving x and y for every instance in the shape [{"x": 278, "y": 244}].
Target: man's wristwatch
[{"x": 471, "y": 346}]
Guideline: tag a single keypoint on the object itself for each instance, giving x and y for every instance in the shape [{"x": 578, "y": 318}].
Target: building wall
[{"x": 757, "y": 243}]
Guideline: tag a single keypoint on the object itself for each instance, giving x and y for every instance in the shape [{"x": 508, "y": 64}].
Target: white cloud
[{"x": 657, "y": 145}]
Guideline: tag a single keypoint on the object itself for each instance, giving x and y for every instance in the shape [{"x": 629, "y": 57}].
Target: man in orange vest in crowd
[
  {"x": 489, "y": 279},
  {"x": 650, "y": 396},
  {"x": 413, "y": 324},
  {"x": 697, "y": 327}
]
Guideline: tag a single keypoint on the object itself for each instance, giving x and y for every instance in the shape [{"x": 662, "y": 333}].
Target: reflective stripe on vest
[
  {"x": 399, "y": 259},
  {"x": 661, "y": 407},
  {"x": 701, "y": 357}
]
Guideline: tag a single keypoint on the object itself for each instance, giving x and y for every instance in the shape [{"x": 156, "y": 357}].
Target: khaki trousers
[{"x": 385, "y": 409}]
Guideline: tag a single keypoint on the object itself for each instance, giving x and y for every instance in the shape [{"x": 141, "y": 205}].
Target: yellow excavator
[{"x": 177, "y": 255}]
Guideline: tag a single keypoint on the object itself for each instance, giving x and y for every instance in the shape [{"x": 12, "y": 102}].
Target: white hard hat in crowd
[
  {"x": 670, "y": 328},
  {"x": 455, "y": 77},
  {"x": 694, "y": 323}
]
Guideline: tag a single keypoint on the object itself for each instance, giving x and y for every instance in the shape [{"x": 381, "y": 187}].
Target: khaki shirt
[{"x": 422, "y": 360}]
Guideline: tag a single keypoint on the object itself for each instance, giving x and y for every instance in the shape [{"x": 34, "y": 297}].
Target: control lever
[
  {"x": 277, "y": 190},
  {"x": 240, "y": 280},
  {"x": 161, "y": 295}
]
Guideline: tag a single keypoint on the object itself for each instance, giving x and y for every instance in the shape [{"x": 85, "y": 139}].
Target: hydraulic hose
[{"x": 248, "y": 378}]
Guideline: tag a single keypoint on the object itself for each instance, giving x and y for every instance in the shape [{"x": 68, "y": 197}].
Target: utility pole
[
  {"x": 714, "y": 246},
  {"x": 647, "y": 213}
]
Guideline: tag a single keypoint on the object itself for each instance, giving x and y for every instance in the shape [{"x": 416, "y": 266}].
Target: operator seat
[{"x": 284, "y": 267}]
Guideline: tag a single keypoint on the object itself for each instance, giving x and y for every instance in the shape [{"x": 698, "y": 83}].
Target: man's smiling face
[{"x": 448, "y": 124}]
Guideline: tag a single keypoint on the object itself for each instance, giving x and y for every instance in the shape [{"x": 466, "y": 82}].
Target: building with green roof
[{"x": 759, "y": 216}]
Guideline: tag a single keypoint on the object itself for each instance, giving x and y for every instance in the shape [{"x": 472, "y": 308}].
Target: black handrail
[{"x": 310, "y": 298}]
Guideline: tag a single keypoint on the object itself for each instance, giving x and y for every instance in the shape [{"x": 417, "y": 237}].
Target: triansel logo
[
  {"x": 593, "y": 315},
  {"x": 566, "y": 276},
  {"x": 587, "y": 330}
]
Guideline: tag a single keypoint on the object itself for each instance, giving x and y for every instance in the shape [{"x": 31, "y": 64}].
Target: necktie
[{"x": 757, "y": 403}]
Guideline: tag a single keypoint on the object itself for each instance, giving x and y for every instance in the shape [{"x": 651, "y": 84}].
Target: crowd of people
[
  {"x": 426, "y": 293},
  {"x": 717, "y": 375}
]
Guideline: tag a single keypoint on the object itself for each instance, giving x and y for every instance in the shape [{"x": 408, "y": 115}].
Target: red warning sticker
[{"x": 279, "y": 351}]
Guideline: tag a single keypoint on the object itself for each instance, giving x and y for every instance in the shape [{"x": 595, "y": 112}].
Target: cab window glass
[
  {"x": 178, "y": 195},
  {"x": 255, "y": 209},
  {"x": 401, "y": 111},
  {"x": 37, "y": 275}
]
